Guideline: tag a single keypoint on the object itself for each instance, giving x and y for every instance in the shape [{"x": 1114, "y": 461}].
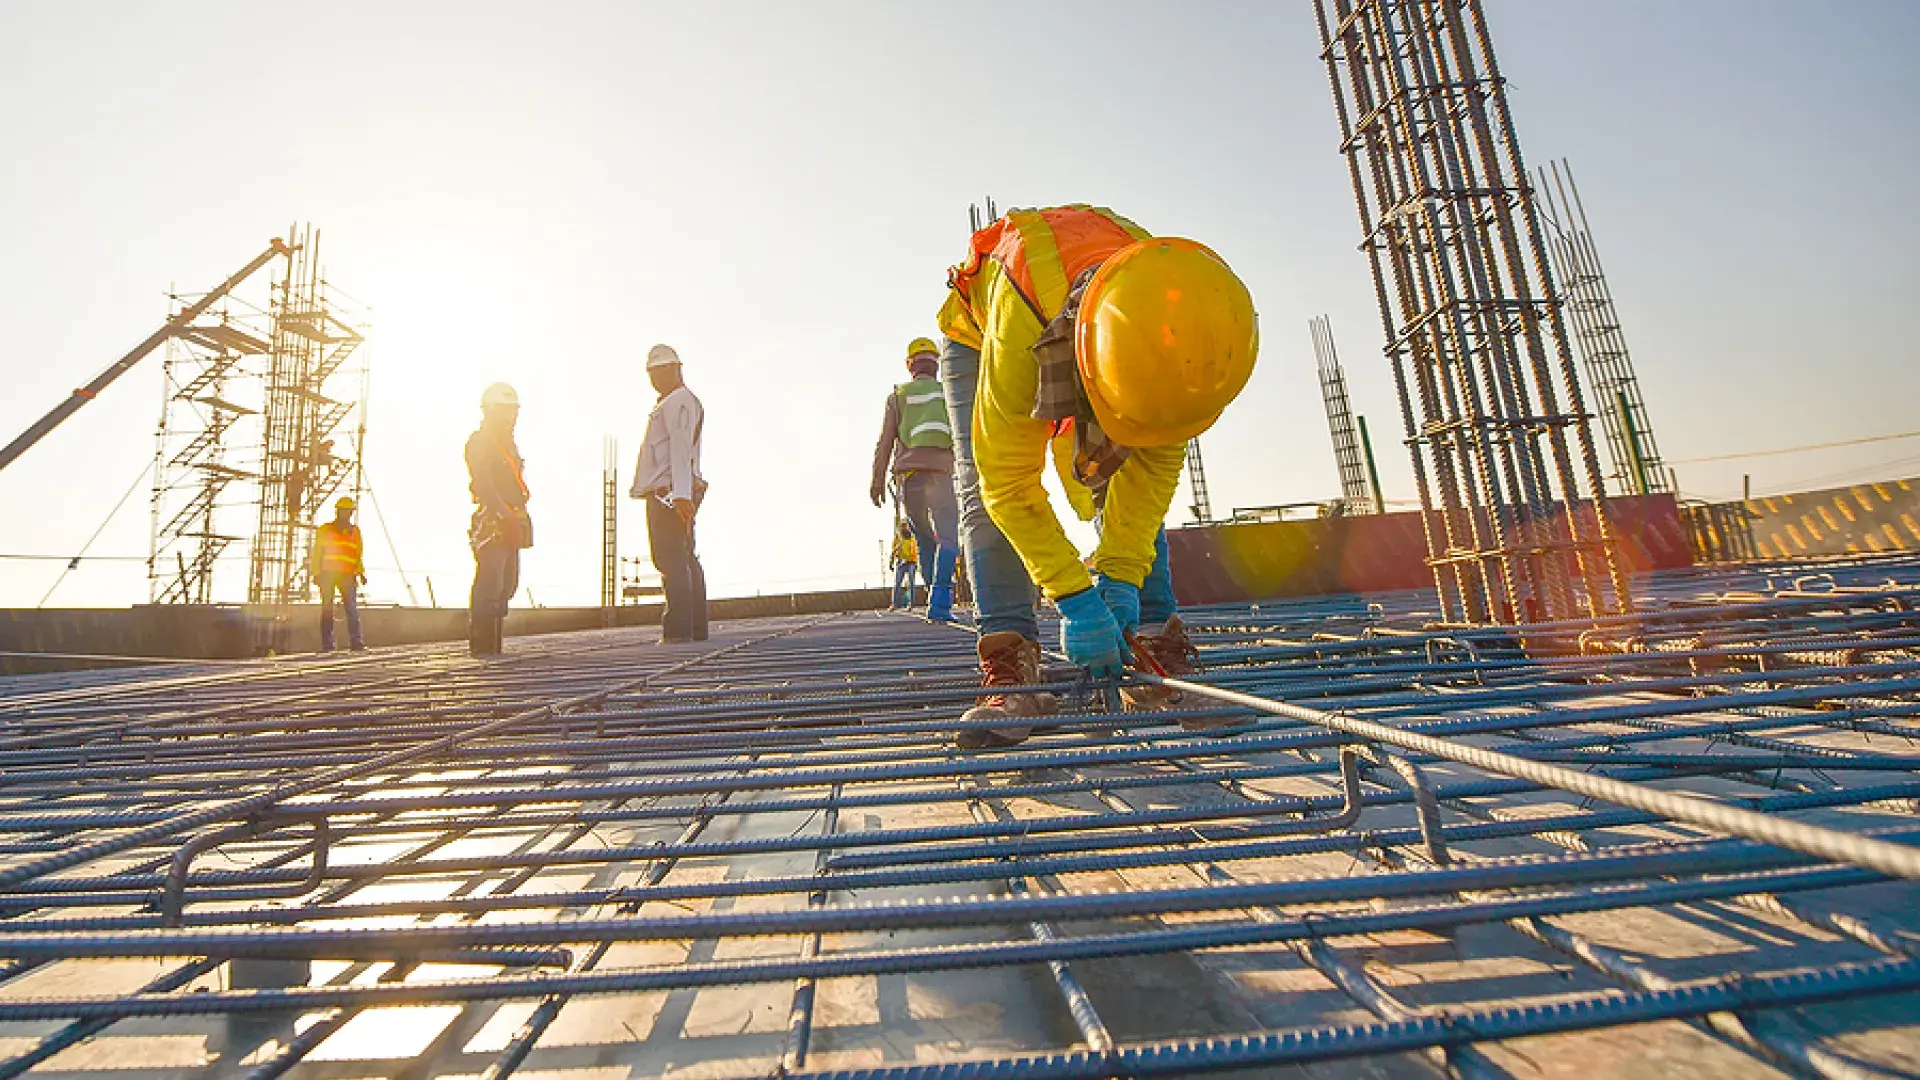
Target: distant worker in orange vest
[
  {"x": 501, "y": 527},
  {"x": 1073, "y": 328},
  {"x": 336, "y": 566}
]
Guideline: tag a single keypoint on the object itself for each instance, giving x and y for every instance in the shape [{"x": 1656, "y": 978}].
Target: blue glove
[
  {"x": 1122, "y": 599},
  {"x": 1089, "y": 635}
]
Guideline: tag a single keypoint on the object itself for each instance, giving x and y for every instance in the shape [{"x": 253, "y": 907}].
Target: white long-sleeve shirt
[{"x": 669, "y": 465}]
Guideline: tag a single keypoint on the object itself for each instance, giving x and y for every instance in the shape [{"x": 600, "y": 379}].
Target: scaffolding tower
[
  {"x": 1502, "y": 453},
  {"x": 1638, "y": 468},
  {"x": 310, "y": 391},
  {"x": 208, "y": 441},
  {"x": 1356, "y": 491}
]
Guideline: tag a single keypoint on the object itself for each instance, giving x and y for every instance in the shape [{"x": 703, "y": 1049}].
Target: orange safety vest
[
  {"x": 1043, "y": 251},
  {"x": 336, "y": 550}
]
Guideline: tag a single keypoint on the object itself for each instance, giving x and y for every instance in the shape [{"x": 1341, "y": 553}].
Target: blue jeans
[
  {"x": 903, "y": 585},
  {"x": 1003, "y": 593},
  {"x": 349, "y": 590},
  {"x": 934, "y": 516},
  {"x": 1157, "y": 604}
]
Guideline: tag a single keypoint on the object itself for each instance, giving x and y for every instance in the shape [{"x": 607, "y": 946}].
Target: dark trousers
[
  {"x": 349, "y": 590},
  {"x": 680, "y": 574},
  {"x": 933, "y": 513},
  {"x": 496, "y": 577}
]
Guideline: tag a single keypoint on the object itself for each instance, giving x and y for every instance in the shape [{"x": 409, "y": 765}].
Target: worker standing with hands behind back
[
  {"x": 501, "y": 527},
  {"x": 916, "y": 445},
  {"x": 1074, "y": 328},
  {"x": 667, "y": 476},
  {"x": 337, "y": 568}
]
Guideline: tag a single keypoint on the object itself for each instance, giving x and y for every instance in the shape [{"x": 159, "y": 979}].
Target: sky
[{"x": 539, "y": 193}]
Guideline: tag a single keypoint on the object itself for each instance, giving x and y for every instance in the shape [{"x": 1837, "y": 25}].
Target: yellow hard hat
[
  {"x": 346, "y": 503},
  {"x": 1165, "y": 339},
  {"x": 921, "y": 345}
]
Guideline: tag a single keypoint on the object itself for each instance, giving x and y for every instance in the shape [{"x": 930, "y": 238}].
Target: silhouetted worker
[
  {"x": 501, "y": 526},
  {"x": 668, "y": 478},
  {"x": 337, "y": 568}
]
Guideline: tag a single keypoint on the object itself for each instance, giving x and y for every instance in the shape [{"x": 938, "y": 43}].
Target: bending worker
[
  {"x": 501, "y": 526},
  {"x": 667, "y": 476},
  {"x": 916, "y": 445},
  {"x": 337, "y": 568},
  {"x": 1075, "y": 328}
]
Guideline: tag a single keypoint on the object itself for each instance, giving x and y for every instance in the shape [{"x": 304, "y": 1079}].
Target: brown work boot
[
  {"x": 1170, "y": 647},
  {"x": 1179, "y": 658},
  {"x": 1006, "y": 660}
]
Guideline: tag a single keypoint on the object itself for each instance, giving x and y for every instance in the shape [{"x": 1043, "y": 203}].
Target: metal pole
[{"x": 1373, "y": 471}]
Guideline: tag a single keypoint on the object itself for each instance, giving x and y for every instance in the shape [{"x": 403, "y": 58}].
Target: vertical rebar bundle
[
  {"x": 302, "y": 464},
  {"x": 1202, "y": 506},
  {"x": 1637, "y": 465},
  {"x": 609, "y": 526},
  {"x": 1354, "y": 487},
  {"x": 1496, "y": 425}
]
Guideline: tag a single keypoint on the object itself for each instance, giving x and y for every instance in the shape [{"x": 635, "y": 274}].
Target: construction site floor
[{"x": 598, "y": 857}]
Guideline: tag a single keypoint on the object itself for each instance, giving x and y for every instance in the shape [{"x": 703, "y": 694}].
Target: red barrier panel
[{"x": 1217, "y": 564}]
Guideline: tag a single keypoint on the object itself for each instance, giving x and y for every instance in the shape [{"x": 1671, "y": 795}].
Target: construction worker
[
  {"x": 916, "y": 446},
  {"x": 668, "y": 477},
  {"x": 501, "y": 526},
  {"x": 906, "y": 555},
  {"x": 1074, "y": 328},
  {"x": 337, "y": 568}
]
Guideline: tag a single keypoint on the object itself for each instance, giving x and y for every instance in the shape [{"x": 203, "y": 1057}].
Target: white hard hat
[
  {"x": 661, "y": 356},
  {"x": 499, "y": 394}
]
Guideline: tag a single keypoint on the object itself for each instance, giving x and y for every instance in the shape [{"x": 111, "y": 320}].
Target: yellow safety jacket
[
  {"x": 336, "y": 550},
  {"x": 905, "y": 550},
  {"x": 1014, "y": 282}
]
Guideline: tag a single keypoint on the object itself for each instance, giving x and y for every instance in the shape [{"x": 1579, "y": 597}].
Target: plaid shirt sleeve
[{"x": 1061, "y": 397}]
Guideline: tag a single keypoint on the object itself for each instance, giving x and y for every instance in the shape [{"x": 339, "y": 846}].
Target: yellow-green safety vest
[{"x": 923, "y": 414}]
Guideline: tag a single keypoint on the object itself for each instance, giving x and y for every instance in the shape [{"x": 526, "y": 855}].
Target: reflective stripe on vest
[
  {"x": 1044, "y": 250},
  {"x": 339, "y": 549},
  {"x": 923, "y": 414}
]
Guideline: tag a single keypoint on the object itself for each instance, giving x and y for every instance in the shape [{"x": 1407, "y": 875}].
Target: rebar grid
[
  {"x": 1480, "y": 355},
  {"x": 762, "y": 855}
]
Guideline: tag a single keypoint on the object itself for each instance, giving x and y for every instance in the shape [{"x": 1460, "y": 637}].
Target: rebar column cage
[
  {"x": 208, "y": 439},
  {"x": 302, "y": 465},
  {"x": 1481, "y": 361},
  {"x": 1202, "y": 505},
  {"x": 609, "y": 527},
  {"x": 1637, "y": 465},
  {"x": 1354, "y": 487}
]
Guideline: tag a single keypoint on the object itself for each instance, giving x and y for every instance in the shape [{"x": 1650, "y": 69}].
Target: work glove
[
  {"x": 363, "y": 579},
  {"x": 1122, "y": 599},
  {"x": 1089, "y": 635}
]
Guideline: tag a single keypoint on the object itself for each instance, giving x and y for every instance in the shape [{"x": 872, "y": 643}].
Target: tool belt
[
  {"x": 515, "y": 528},
  {"x": 699, "y": 494}
]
